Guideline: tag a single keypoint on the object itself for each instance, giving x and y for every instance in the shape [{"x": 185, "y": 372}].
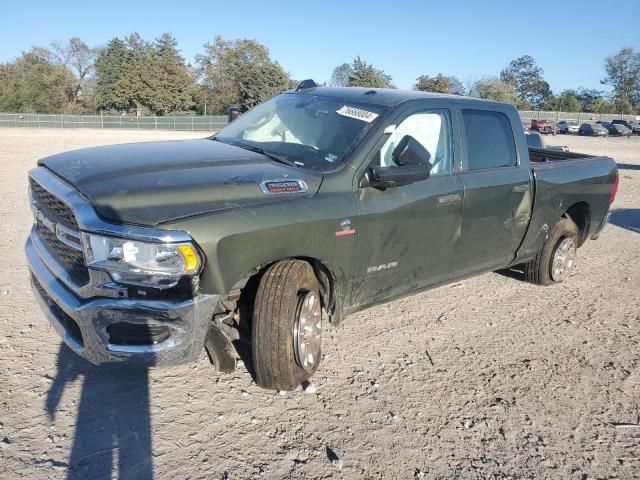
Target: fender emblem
[
  {"x": 345, "y": 225},
  {"x": 281, "y": 186}
]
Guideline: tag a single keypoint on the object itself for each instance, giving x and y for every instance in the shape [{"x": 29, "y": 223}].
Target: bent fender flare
[{"x": 220, "y": 350}]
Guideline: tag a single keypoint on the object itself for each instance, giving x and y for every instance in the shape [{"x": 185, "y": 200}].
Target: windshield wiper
[{"x": 272, "y": 156}]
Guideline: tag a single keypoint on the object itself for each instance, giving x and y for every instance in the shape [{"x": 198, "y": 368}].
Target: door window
[
  {"x": 432, "y": 129},
  {"x": 490, "y": 141}
]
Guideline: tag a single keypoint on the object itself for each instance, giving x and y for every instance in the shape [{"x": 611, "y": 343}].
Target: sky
[{"x": 469, "y": 39}]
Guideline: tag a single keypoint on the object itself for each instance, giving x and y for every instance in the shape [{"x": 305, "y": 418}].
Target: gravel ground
[{"x": 485, "y": 378}]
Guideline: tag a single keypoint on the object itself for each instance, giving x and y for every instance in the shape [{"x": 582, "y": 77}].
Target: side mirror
[
  {"x": 233, "y": 112},
  {"x": 390, "y": 177},
  {"x": 410, "y": 152},
  {"x": 413, "y": 165}
]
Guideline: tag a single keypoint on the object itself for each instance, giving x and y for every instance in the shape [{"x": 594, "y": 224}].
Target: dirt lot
[{"x": 484, "y": 378}]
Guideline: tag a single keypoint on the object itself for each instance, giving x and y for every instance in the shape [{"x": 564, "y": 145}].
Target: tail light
[{"x": 615, "y": 189}]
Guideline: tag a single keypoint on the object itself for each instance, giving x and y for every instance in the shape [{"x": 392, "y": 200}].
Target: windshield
[{"x": 314, "y": 132}]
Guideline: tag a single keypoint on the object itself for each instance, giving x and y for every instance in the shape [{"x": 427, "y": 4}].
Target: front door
[{"x": 407, "y": 234}]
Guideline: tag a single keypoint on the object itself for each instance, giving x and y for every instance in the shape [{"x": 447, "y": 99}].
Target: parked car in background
[
  {"x": 543, "y": 125},
  {"x": 593, "y": 130},
  {"x": 618, "y": 130},
  {"x": 633, "y": 126},
  {"x": 568, "y": 126},
  {"x": 535, "y": 140}
]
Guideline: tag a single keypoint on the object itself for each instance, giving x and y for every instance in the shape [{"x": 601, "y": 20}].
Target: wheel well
[
  {"x": 243, "y": 294},
  {"x": 580, "y": 214},
  {"x": 327, "y": 283}
]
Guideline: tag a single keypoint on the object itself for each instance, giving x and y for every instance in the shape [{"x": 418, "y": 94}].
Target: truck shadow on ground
[
  {"x": 628, "y": 166},
  {"x": 113, "y": 426},
  {"x": 627, "y": 218},
  {"x": 516, "y": 272}
]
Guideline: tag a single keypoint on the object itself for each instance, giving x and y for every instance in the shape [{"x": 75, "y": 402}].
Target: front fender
[{"x": 238, "y": 243}]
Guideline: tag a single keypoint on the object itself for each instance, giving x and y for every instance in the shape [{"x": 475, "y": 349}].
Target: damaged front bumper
[{"x": 117, "y": 329}]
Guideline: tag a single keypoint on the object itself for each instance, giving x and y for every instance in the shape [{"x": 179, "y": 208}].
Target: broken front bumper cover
[{"x": 83, "y": 322}]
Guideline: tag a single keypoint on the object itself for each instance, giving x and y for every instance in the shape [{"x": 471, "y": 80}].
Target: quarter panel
[{"x": 561, "y": 184}]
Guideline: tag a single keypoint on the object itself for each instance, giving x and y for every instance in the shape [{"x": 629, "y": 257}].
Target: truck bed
[
  {"x": 563, "y": 180},
  {"x": 550, "y": 155}
]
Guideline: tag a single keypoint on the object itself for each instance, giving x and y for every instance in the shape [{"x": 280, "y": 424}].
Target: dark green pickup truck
[{"x": 315, "y": 204}]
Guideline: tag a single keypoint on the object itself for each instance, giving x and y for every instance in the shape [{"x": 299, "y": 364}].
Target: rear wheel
[
  {"x": 554, "y": 263},
  {"x": 287, "y": 324}
]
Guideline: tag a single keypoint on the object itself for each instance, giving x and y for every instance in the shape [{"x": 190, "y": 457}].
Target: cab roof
[{"x": 389, "y": 97}]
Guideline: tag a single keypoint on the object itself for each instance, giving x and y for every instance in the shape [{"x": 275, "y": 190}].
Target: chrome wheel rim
[
  {"x": 563, "y": 259},
  {"x": 307, "y": 329}
]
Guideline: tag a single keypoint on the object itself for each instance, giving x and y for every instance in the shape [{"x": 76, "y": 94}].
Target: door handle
[
  {"x": 520, "y": 188},
  {"x": 448, "y": 199}
]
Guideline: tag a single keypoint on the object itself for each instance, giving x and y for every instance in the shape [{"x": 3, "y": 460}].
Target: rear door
[{"x": 497, "y": 192}]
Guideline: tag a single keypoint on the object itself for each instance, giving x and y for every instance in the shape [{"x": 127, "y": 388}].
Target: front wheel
[
  {"x": 287, "y": 323},
  {"x": 554, "y": 262}
]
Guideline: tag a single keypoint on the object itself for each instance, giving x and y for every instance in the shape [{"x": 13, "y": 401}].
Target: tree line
[{"x": 134, "y": 75}]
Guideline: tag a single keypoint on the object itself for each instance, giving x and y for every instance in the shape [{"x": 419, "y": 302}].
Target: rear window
[{"x": 489, "y": 138}]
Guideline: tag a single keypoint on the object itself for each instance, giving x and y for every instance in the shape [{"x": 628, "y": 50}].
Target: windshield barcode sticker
[{"x": 357, "y": 113}]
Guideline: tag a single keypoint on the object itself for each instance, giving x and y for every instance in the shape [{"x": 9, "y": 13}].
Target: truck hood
[{"x": 155, "y": 182}]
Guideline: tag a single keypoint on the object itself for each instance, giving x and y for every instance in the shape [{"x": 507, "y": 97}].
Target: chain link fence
[
  {"x": 186, "y": 123},
  {"x": 216, "y": 122}
]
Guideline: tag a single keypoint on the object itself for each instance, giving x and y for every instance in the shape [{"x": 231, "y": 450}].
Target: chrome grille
[
  {"x": 54, "y": 208},
  {"x": 59, "y": 213}
]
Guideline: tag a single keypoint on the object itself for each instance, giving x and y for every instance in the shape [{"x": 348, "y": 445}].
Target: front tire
[
  {"x": 287, "y": 320},
  {"x": 553, "y": 264}
]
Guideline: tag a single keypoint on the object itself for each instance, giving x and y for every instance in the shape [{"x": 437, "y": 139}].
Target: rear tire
[
  {"x": 285, "y": 334},
  {"x": 554, "y": 262}
]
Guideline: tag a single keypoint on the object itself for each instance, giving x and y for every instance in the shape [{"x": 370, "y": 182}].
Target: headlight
[{"x": 134, "y": 262}]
